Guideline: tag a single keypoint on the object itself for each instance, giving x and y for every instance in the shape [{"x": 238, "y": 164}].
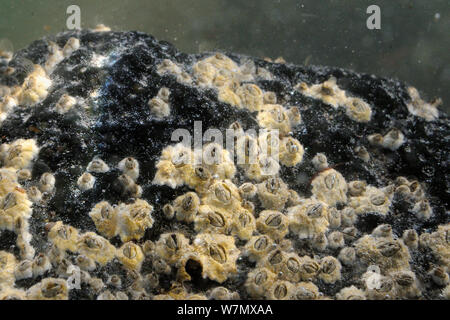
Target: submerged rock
[{"x": 87, "y": 121}]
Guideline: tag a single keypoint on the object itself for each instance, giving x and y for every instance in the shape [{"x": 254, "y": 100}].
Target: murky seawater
[{"x": 412, "y": 44}]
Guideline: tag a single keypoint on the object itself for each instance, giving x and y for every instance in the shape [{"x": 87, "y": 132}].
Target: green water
[{"x": 413, "y": 44}]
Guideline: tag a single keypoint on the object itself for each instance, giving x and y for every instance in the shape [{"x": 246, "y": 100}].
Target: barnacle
[
  {"x": 186, "y": 207},
  {"x": 279, "y": 290},
  {"x": 274, "y": 117},
  {"x": 347, "y": 256},
  {"x": 105, "y": 219},
  {"x": 86, "y": 181},
  {"x": 305, "y": 291},
  {"x": 134, "y": 219},
  {"x": 72, "y": 45},
  {"x": 273, "y": 223},
  {"x": 351, "y": 293},
  {"x": 64, "y": 237},
  {"x": 273, "y": 193},
  {"x": 251, "y": 96},
  {"x": 258, "y": 281},
  {"x": 336, "y": 240},
  {"x": 7, "y": 266},
  {"x": 159, "y": 107},
  {"x": 97, "y": 165},
  {"x": 393, "y": 139},
  {"x": 172, "y": 246},
  {"x": 49, "y": 289},
  {"x": 243, "y": 224},
  {"x": 223, "y": 194},
  {"x": 173, "y": 165},
  {"x": 330, "y": 269},
  {"x": 291, "y": 152},
  {"x": 19, "y": 153},
  {"x": 358, "y": 110},
  {"x": 217, "y": 254},
  {"x": 65, "y": 103},
  {"x": 330, "y": 187},
  {"x": 387, "y": 253},
  {"x": 95, "y": 247},
  {"x": 411, "y": 238},
  {"x": 35, "y": 87},
  {"x": 47, "y": 182},
  {"x": 422, "y": 209},
  {"x": 130, "y": 255},
  {"x": 41, "y": 264},
  {"x": 420, "y": 108},
  {"x": 130, "y": 167},
  {"x": 258, "y": 247},
  {"x": 308, "y": 218},
  {"x": 371, "y": 200}
]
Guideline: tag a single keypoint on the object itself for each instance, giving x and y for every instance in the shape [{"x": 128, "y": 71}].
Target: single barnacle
[
  {"x": 309, "y": 268},
  {"x": 383, "y": 231},
  {"x": 24, "y": 270},
  {"x": 439, "y": 276},
  {"x": 97, "y": 165},
  {"x": 168, "y": 211},
  {"x": 96, "y": 247},
  {"x": 216, "y": 253},
  {"x": 64, "y": 237},
  {"x": 336, "y": 240},
  {"x": 393, "y": 139},
  {"x": 222, "y": 293},
  {"x": 41, "y": 264},
  {"x": 86, "y": 181},
  {"x": 24, "y": 174},
  {"x": 243, "y": 224},
  {"x": 347, "y": 256},
  {"x": 308, "y": 219},
  {"x": 273, "y": 193},
  {"x": 305, "y": 291},
  {"x": 186, "y": 207},
  {"x": 291, "y": 269},
  {"x": 319, "y": 241},
  {"x": 411, "y": 239},
  {"x": 422, "y": 209},
  {"x": 258, "y": 281},
  {"x": 356, "y": 188},
  {"x": 330, "y": 269},
  {"x": 270, "y": 97},
  {"x": 65, "y": 104},
  {"x": 320, "y": 161},
  {"x": 105, "y": 219},
  {"x": 279, "y": 290},
  {"x": 49, "y": 289},
  {"x": 131, "y": 256},
  {"x": 330, "y": 187},
  {"x": 257, "y": 247},
  {"x": 171, "y": 246},
  {"x": 72, "y": 45},
  {"x": 348, "y": 216},
  {"x": 134, "y": 219},
  {"x": 362, "y": 153},
  {"x": 350, "y": 233},
  {"x": 358, "y": 110},
  {"x": 405, "y": 284},
  {"x": 247, "y": 190},
  {"x": 274, "y": 117},
  {"x": 334, "y": 218},
  {"x": 223, "y": 194},
  {"x": 294, "y": 116},
  {"x": 130, "y": 167},
  {"x": 351, "y": 293},
  {"x": 273, "y": 223},
  {"x": 85, "y": 263},
  {"x": 127, "y": 186},
  {"x": 375, "y": 139},
  {"x": 291, "y": 152},
  {"x": 159, "y": 108},
  {"x": 251, "y": 96},
  {"x": 164, "y": 94},
  {"x": 47, "y": 182},
  {"x": 420, "y": 108}
]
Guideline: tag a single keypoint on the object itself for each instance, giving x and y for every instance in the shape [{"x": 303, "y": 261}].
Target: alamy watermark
[{"x": 374, "y": 20}]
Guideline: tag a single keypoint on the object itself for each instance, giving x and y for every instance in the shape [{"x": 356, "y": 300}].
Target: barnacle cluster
[
  {"x": 234, "y": 220},
  {"x": 330, "y": 93}
]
